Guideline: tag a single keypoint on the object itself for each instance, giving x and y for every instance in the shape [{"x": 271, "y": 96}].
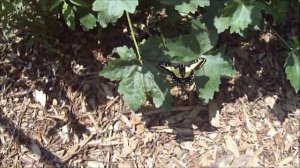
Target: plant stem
[
  {"x": 291, "y": 48},
  {"x": 133, "y": 37}
]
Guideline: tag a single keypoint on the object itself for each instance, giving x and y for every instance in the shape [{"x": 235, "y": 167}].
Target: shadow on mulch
[
  {"x": 19, "y": 136},
  {"x": 68, "y": 75}
]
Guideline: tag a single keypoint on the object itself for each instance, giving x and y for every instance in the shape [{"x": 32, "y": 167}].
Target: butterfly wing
[
  {"x": 196, "y": 64},
  {"x": 182, "y": 73}
]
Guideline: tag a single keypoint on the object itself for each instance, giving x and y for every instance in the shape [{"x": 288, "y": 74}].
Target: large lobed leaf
[
  {"x": 238, "y": 15},
  {"x": 109, "y": 11},
  {"x": 186, "y": 6},
  {"x": 191, "y": 6},
  {"x": 209, "y": 77},
  {"x": 136, "y": 79},
  {"x": 190, "y": 46}
]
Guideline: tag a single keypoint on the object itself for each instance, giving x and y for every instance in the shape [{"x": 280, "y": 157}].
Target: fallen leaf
[
  {"x": 135, "y": 119},
  {"x": 214, "y": 114},
  {"x": 94, "y": 164},
  {"x": 249, "y": 125},
  {"x": 125, "y": 164},
  {"x": 232, "y": 146},
  {"x": 253, "y": 162},
  {"x": 240, "y": 161},
  {"x": 224, "y": 161},
  {"x": 285, "y": 161},
  {"x": 140, "y": 129},
  {"x": 276, "y": 108},
  {"x": 235, "y": 122},
  {"x": 272, "y": 132},
  {"x": 40, "y": 97}
]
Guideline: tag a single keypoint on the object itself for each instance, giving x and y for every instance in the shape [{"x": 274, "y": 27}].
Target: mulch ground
[{"x": 56, "y": 111}]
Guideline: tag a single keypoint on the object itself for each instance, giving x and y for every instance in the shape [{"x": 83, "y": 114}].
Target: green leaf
[
  {"x": 190, "y": 46},
  {"x": 88, "y": 21},
  {"x": 292, "y": 68},
  {"x": 208, "y": 78},
  {"x": 54, "y": 4},
  {"x": 133, "y": 90},
  {"x": 69, "y": 16},
  {"x": 191, "y": 6},
  {"x": 7, "y": 7},
  {"x": 136, "y": 79},
  {"x": 126, "y": 53},
  {"x": 186, "y": 6},
  {"x": 212, "y": 11},
  {"x": 111, "y": 11},
  {"x": 151, "y": 50},
  {"x": 221, "y": 23},
  {"x": 240, "y": 18},
  {"x": 238, "y": 15},
  {"x": 81, "y": 3}
]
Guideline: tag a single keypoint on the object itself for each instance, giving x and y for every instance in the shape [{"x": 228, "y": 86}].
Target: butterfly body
[{"x": 182, "y": 73}]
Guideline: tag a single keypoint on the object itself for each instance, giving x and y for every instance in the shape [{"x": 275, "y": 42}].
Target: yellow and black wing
[{"x": 182, "y": 73}]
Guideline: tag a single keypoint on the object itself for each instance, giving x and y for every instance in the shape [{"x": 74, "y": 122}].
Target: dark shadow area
[
  {"x": 20, "y": 137},
  {"x": 260, "y": 68},
  {"x": 69, "y": 78},
  {"x": 183, "y": 124}
]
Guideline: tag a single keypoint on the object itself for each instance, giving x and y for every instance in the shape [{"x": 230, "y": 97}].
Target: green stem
[
  {"x": 133, "y": 37},
  {"x": 291, "y": 48}
]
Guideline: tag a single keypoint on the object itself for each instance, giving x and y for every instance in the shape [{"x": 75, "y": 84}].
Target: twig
[
  {"x": 76, "y": 149},
  {"x": 112, "y": 102}
]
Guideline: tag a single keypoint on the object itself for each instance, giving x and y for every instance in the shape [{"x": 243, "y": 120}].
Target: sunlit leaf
[
  {"x": 69, "y": 16},
  {"x": 111, "y": 11}
]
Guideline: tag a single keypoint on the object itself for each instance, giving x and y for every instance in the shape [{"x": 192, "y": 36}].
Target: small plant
[{"x": 186, "y": 30}]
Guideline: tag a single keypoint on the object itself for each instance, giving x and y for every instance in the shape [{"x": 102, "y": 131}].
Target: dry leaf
[
  {"x": 235, "y": 122},
  {"x": 135, "y": 119},
  {"x": 249, "y": 125},
  {"x": 150, "y": 162},
  {"x": 272, "y": 132},
  {"x": 40, "y": 97},
  {"x": 188, "y": 146},
  {"x": 253, "y": 162},
  {"x": 285, "y": 161},
  {"x": 224, "y": 161},
  {"x": 214, "y": 114},
  {"x": 232, "y": 146},
  {"x": 129, "y": 145},
  {"x": 140, "y": 128},
  {"x": 125, "y": 164},
  {"x": 125, "y": 120},
  {"x": 94, "y": 164},
  {"x": 215, "y": 121},
  {"x": 276, "y": 108},
  {"x": 241, "y": 161}
]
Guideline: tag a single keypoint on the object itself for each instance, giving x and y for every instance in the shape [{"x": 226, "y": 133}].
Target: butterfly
[{"x": 182, "y": 73}]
